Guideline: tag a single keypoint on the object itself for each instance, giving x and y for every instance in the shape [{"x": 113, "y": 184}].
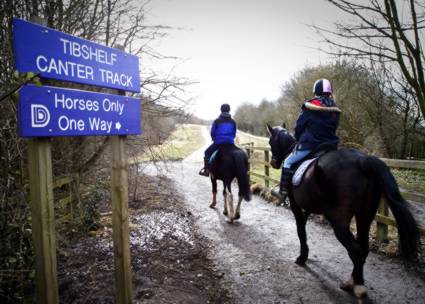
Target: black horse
[
  {"x": 229, "y": 163},
  {"x": 343, "y": 184}
]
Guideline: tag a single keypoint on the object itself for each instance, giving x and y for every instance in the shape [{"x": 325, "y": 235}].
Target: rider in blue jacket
[
  {"x": 223, "y": 131},
  {"x": 316, "y": 125}
]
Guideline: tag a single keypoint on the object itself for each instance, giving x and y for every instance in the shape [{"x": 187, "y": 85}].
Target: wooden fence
[
  {"x": 383, "y": 218},
  {"x": 66, "y": 197},
  {"x": 60, "y": 183}
]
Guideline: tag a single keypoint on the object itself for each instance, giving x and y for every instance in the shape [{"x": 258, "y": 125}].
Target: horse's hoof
[
  {"x": 301, "y": 260},
  {"x": 230, "y": 221},
  {"x": 360, "y": 291},
  {"x": 225, "y": 212},
  {"x": 237, "y": 216},
  {"x": 347, "y": 286},
  {"x": 212, "y": 206}
]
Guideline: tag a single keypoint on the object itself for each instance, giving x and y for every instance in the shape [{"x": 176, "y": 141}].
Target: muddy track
[
  {"x": 257, "y": 253},
  {"x": 168, "y": 256}
]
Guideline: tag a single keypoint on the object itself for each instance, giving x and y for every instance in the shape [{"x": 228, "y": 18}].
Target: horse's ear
[
  {"x": 284, "y": 125},
  {"x": 269, "y": 128}
]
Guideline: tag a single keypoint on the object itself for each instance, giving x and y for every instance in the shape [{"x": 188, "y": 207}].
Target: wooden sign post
[
  {"x": 43, "y": 216},
  {"x": 120, "y": 219},
  {"x": 43, "y": 219},
  {"x": 47, "y": 111}
]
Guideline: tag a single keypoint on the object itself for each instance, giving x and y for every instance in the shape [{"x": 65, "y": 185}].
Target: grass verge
[{"x": 182, "y": 142}]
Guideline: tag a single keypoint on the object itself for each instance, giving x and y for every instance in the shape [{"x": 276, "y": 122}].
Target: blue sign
[
  {"x": 60, "y": 56},
  {"x": 50, "y": 111}
]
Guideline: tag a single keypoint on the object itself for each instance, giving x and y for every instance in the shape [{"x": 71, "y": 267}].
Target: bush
[
  {"x": 90, "y": 211},
  {"x": 16, "y": 253}
]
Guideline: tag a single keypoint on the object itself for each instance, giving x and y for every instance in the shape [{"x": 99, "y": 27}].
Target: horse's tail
[
  {"x": 241, "y": 162},
  {"x": 409, "y": 237}
]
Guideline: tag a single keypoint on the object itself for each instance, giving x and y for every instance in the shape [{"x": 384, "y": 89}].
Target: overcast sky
[{"x": 238, "y": 50}]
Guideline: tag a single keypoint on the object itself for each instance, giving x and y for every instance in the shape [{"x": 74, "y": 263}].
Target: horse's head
[{"x": 281, "y": 142}]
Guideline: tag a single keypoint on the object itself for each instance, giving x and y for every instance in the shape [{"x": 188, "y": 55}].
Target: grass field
[
  {"x": 188, "y": 138},
  {"x": 413, "y": 180},
  {"x": 245, "y": 138},
  {"x": 181, "y": 143}
]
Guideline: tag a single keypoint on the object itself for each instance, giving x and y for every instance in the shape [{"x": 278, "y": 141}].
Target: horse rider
[
  {"x": 223, "y": 131},
  {"x": 316, "y": 125}
]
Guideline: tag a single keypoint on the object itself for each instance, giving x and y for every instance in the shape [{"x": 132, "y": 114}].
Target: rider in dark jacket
[
  {"x": 223, "y": 131},
  {"x": 316, "y": 125}
]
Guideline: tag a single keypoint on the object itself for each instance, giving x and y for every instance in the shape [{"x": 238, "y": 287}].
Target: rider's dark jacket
[
  {"x": 223, "y": 130},
  {"x": 317, "y": 124}
]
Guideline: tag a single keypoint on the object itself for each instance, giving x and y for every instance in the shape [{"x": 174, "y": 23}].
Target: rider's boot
[
  {"x": 285, "y": 181},
  {"x": 204, "y": 171}
]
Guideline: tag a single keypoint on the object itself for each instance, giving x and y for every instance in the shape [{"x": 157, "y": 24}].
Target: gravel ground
[
  {"x": 185, "y": 252},
  {"x": 257, "y": 253}
]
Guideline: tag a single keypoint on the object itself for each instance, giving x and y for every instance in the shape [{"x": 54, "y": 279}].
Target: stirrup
[
  {"x": 204, "y": 172},
  {"x": 283, "y": 193},
  {"x": 282, "y": 198}
]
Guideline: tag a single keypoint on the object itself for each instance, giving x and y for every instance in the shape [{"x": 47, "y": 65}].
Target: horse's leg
[
  {"x": 225, "y": 199},
  {"x": 364, "y": 218},
  {"x": 214, "y": 192},
  {"x": 230, "y": 207},
  {"x": 301, "y": 219},
  {"x": 238, "y": 208},
  {"x": 229, "y": 201},
  {"x": 354, "y": 249},
  {"x": 363, "y": 222}
]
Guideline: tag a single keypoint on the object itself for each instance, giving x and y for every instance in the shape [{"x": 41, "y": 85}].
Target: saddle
[
  {"x": 216, "y": 156},
  {"x": 301, "y": 167},
  {"x": 213, "y": 157}
]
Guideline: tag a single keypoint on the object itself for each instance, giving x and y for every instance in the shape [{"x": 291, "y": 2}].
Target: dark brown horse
[
  {"x": 231, "y": 162},
  {"x": 343, "y": 184}
]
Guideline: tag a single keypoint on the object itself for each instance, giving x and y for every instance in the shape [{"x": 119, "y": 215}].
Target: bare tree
[
  {"x": 110, "y": 22},
  {"x": 383, "y": 30}
]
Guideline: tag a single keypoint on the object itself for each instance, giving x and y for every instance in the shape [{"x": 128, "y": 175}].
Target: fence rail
[
  {"x": 383, "y": 218},
  {"x": 66, "y": 197}
]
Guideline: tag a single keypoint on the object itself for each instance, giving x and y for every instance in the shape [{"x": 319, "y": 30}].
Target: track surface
[{"x": 256, "y": 254}]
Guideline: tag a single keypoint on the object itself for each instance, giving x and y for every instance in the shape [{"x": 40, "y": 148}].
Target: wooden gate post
[
  {"x": 43, "y": 219},
  {"x": 266, "y": 168},
  {"x": 381, "y": 228},
  {"x": 248, "y": 152}
]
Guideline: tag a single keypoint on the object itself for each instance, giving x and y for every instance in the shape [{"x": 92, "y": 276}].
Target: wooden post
[
  {"x": 120, "y": 219},
  {"x": 382, "y": 229},
  {"x": 42, "y": 213},
  {"x": 75, "y": 192},
  {"x": 43, "y": 219},
  {"x": 248, "y": 152},
  {"x": 266, "y": 168}
]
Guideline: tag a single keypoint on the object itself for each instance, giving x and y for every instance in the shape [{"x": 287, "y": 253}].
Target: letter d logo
[{"x": 40, "y": 116}]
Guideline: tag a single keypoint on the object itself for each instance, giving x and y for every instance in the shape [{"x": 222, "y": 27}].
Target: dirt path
[
  {"x": 184, "y": 252},
  {"x": 256, "y": 255}
]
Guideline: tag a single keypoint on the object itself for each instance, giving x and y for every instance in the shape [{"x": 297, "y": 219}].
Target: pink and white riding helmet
[{"x": 322, "y": 86}]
